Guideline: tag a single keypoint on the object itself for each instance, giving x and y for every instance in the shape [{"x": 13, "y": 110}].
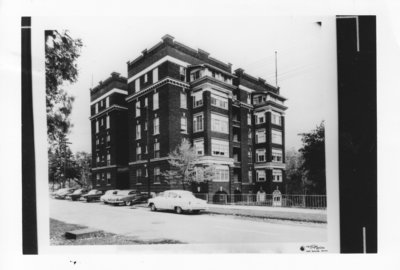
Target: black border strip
[{"x": 29, "y": 216}]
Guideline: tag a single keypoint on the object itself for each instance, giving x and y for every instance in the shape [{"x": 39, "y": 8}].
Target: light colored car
[
  {"x": 63, "y": 192},
  {"x": 107, "y": 195},
  {"x": 77, "y": 194},
  {"x": 93, "y": 195},
  {"x": 126, "y": 197},
  {"x": 177, "y": 200}
]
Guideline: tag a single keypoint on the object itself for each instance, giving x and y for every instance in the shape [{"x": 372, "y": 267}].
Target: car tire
[
  {"x": 128, "y": 203},
  {"x": 153, "y": 207},
  {"x": 88, "y": 200},
  {"x": 178, "y": 210}
]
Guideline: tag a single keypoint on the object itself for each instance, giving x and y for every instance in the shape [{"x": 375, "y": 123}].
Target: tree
[
  {"x": 313, "y": 154},
  {"x": 83, "y": 166},
  {"x": 294, "y": 174},
  {"x": 183, "y": 166},
  {"x": 61, "y": 53}
]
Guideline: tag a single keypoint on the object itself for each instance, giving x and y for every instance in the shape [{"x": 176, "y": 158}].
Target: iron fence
[{"x": 284, "y": 200}]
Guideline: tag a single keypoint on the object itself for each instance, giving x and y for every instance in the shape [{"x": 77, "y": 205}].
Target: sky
[{"x": 306, "y": 59}]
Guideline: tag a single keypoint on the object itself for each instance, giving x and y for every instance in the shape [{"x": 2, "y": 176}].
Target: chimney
[
  {"x": 261, "y": 80},
  {"x": 144, "y": 52},
  {"x": 239, "y": 71},
  {"x": 115, "y": 74},
  {"x": 168, "y": 39}
]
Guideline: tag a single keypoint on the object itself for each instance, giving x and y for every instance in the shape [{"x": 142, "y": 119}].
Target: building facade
[{"x": 234, "y": 121}]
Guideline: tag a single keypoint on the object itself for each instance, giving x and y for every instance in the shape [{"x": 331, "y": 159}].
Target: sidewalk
[{"x": 286, "y": 213}]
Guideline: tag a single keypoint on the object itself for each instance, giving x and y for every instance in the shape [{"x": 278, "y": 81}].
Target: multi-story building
[
  {"x": 234, "y": 121},
  {"x": 109, "y": 116}
]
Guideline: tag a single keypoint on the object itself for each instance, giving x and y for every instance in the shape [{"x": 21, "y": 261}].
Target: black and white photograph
[
  {"x": 212, "y": 134},
  {"x": 212, "y": 138}
]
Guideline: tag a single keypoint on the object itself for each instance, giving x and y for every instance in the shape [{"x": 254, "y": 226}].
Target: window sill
[{"x": 157, "y": 183}]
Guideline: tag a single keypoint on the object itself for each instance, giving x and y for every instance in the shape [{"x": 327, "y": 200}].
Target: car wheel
[
  {"x": 128, "y": 203},
  {"x": 153, "y": 207},
  {"x": 178, "y": 210}
]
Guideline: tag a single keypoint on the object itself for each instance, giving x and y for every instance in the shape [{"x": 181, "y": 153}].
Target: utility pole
[{"x": 276, "y": 68}]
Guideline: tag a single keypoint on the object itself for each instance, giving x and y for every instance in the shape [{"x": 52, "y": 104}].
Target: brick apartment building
[{"x": 233, "y": 120}]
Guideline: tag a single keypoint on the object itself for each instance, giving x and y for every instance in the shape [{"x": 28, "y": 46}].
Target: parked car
[
  {"x": 63, "y": 192},
  {"x": 93, "y": 195},
  {"x": 177, "y": 200},
  {"x": 127, "y": 197},
  {"x": 77, "y": 194},
  {"x": 107, "y": 195}
]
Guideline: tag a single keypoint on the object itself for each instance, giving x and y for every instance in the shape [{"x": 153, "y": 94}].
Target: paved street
[{"x": 188, "y": 228}]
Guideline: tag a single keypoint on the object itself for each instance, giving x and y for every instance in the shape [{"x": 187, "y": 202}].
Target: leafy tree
[
  {"x": 183, "y": 166},
  {"x": 313, "y": 166},
  {"x": 61, "y": 53},
  {"x": 294, "y": 175},
  {"x": 82, "y": 166}
]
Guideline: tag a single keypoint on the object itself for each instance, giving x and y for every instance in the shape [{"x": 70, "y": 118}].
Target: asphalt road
[{"x": 188, "y": 228}]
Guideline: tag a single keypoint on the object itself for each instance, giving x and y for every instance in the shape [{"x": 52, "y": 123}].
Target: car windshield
[
  {"x": 126, "y": 192},
  {"x": 78, "y": 191},
  {"x": 109, "y": 192},
  {"x": 92, "y": 192}
]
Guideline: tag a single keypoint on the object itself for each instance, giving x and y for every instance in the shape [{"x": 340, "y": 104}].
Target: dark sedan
[
  {"x": 77, "y": 194},
  {"x": 93, "y": 195}
]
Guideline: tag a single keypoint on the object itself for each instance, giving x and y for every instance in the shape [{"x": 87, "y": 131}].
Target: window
[
  {"x": 96, "y": 108},
  {"x": 250, "y": 155},
  {"x": 108, "y": 121},
  {"x": 97, "y": 126},
  {"x": 182, "y": 74},
  {"x": 145, "y": 78},
  {"x": 221, "y": 174},
  {"x": 183, "y": 101},
  {"x": 97, "y": 177},
  {"x": 155, "y": 75},
  {"x": 276, "y": 176},
  {"x": 219, "y": 148},
  {"x": 260, "y": 117},
  {"x": 250, "y": 135},
  {"x": 108, "y": 178},
  {"x": 108, "y": 158},
  {"x": 145, "y": 102},
  {"x": 198, "y": 99},
  {"x": 138, "y": 133},
  {"x": 138, "y": 153},
  {"x": 195, "y": 74},
  {"x": 197, "y": 122},
  {"x": 219, "y": 123},
  {"x": 218, "y": 101},
  {"x": 248, "y": 99},
  {"x": 97, "y": 141},
  {"x": 145, "y": 125},
  {"x": 155, "y": 101},
  {"x": 276, "y": 118},
  {"x": 138, "y": 175},
  {"x": 157, "y": 175},
  {"x": 249, "y": 119},
  {"x": 156, "y": 126},
  {"x": 98, "y": 158},
  {"x": 199, "y": 147},
  {"x": 260, "y": 155},
  {"x": 102, "y": 121},
  {"x": 183, "y": 124},
  {"x": 108, "y": 137},
  {"x": 145, "y": 149},
  {"x": 276, "y": 136},
  {"x": 260, "y": 136},
  {"x": 250, "y": 176},
  {"x": 261, "y": 175},
  {"x": 137, "y": 85},
  {"x": 137, "y": 104},
  {"x": 276, "y": 155},
  {"x": 156, "y": 150},
  {"x": 107, "y": 102}
]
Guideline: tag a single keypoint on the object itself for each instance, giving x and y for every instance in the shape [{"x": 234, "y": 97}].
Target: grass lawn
[{"x": 58, "y": 229}]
